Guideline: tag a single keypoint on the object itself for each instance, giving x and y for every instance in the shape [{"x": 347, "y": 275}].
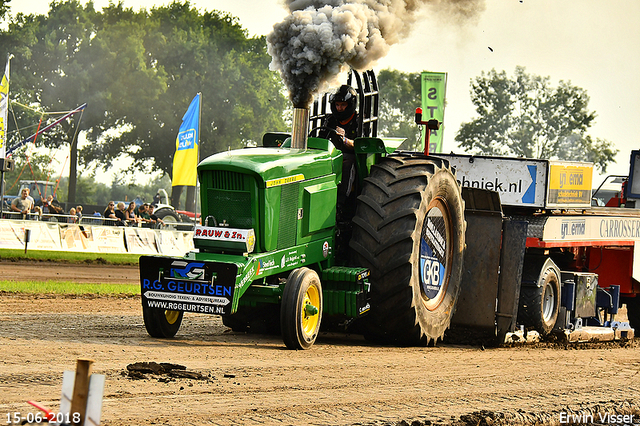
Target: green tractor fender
[{"x": 369, "y": 151}]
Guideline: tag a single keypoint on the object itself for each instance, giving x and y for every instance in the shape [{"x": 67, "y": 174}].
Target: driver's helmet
[{"x": 344, "y": 94}]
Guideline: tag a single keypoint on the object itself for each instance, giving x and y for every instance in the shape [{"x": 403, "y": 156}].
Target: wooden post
[
  {"x": 81, "y": 389},
  {"x": 27, "y": 238}
]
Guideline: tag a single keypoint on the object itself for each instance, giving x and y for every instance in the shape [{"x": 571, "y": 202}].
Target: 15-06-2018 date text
[{"x": 17, "y": 417}]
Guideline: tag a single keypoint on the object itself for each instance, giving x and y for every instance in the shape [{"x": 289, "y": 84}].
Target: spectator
[
  {"x": 119, "y": 212},
  {"x": 38, "y": 213},
  {"x": 79, "y": 212},
  {"x": 154, "y": 218},
  {"x": 110, "y": 214},
  {"x": 144, "y": 214},
  {"x": 52, "y": 206},
  {"x": 33, "y": 202},
  {"x": 130, "y": 214},
  {"x": 22, "y": 204},
  {"x": 33, "y": 189},
  {"x": 72, "y": 214},
  {"x": 95, "y": 218}
]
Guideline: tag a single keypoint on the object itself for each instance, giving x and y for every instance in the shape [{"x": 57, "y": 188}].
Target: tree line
[{"x": 139, "y": 70}]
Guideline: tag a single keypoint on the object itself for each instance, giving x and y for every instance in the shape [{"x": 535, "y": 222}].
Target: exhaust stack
[{"x": 300, "y": 129}]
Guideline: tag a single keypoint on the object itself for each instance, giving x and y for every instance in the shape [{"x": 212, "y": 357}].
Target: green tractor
[{"x": 269, "y": 254}]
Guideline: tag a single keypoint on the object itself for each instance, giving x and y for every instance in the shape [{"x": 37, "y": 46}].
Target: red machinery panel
[{"x": 614, "y": 266}]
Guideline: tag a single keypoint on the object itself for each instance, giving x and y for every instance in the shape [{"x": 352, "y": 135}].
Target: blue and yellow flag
[
  {"x": 185, "y": 159},
  {"x": 4, "y": 108}
]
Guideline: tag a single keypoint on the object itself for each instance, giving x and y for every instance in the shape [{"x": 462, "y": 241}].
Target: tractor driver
[
  {"x": 343, "y": 119},
  {"x": 343, "y": 122},
  {"x": 341, "y": 129}
]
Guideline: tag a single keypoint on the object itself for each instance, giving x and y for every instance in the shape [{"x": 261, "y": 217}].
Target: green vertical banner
[{"x": 434, "y": 89}]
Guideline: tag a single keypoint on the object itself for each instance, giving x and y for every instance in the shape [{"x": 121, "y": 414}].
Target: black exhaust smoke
[{"x": 322, "y": 39}]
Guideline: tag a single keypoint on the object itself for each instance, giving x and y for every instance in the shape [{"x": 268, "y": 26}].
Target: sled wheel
[
  {"x": 633, "y": 311},
  {"x": 540, "y": 304},
  {"x": 160, "y": 322},
  {"x": 409, "y": 231},
  {"x": 301, "y": 309}
]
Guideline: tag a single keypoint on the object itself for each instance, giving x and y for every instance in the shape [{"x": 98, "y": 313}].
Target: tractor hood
[{"x": 272, "y": 165}]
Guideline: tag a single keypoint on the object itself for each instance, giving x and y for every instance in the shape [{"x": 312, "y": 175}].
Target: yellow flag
[{"x": 4, "y": 108}]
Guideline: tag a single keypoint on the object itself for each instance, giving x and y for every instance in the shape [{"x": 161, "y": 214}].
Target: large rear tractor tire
[
  {"x": 161, "y": 323},
  {"x": 540, "y": 302},
  {"x": 301, "y": 309},
  {"x": 409, "y": 231}
]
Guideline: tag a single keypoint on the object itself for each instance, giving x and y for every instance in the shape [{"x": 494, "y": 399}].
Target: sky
[{"x": 593, "y": 44}]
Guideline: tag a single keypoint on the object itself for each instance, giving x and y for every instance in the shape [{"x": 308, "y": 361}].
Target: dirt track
[
  {"x": 342, "y": 380},
  {"x": 78, "y": 272}
]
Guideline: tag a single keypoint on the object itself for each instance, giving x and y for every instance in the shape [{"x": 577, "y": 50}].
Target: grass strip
[
  {"x": 68, "y": 288},
  {"x": 70, "y": 256}
]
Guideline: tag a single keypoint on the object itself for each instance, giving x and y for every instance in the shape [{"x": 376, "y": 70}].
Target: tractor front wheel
[
  {"x": 161, "y": 323},
  {"x": 301, "y": 309}
]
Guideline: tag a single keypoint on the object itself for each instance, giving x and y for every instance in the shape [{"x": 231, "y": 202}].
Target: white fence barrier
[{"x": 93, "y": 238}]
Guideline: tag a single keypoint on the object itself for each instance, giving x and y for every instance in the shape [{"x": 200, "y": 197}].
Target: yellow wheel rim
[
  {"x": 310, "y": 322},
  {"x": 171, "y": 316}
]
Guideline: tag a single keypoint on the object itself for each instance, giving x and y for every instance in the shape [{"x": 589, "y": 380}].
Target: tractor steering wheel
[{"x": 316, "y": 129}]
